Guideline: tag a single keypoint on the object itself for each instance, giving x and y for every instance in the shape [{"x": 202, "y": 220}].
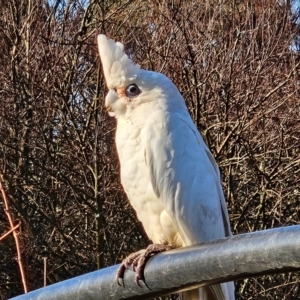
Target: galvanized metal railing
[{"x": 241, "y": 256}]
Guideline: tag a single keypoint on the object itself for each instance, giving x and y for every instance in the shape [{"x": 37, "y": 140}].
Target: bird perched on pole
[{"x": 167, "y": 171}]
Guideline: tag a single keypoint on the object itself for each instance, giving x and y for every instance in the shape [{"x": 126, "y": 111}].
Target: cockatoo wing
[{"x": 185, "y": 177}]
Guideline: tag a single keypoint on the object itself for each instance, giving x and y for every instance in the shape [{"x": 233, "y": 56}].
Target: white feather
[
  {"x": 117, "y": 67},
  {"x": 167, "y": 171}
]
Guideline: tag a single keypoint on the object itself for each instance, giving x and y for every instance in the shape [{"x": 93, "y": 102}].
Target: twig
[
  {"x": 9, "y": 232},
  {"x": 7, "y": 211},
  {"x": 45, "y": 270}
]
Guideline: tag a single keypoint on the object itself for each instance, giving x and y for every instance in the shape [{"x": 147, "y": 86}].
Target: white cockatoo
[{"x": 168, "y": 173}]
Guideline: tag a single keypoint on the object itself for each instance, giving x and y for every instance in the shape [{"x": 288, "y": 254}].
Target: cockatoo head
[{"x": 131, "y": 87}]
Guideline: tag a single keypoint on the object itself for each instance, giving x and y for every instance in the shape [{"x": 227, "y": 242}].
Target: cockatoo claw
[
  {"x": 120, "y": 275},
  {"x": 137, "y": 262}
]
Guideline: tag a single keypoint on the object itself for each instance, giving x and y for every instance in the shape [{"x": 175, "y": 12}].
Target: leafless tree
[{"x": 236, "y": 64}]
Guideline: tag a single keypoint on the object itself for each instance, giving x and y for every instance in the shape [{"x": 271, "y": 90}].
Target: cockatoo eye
[{"x": 132, "y": 90}]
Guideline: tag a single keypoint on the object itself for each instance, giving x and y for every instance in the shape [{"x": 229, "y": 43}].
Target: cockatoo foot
[{"x": 137, "y": 262}]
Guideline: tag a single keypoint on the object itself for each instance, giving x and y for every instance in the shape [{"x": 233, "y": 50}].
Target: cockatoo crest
[{"x": 118, "y": 68}]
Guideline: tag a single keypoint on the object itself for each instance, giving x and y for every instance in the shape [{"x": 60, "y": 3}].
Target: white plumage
[{"x": 167, "y": 171}]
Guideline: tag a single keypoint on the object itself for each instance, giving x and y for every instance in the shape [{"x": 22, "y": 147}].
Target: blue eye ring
[{"x": 132, "y": 90}]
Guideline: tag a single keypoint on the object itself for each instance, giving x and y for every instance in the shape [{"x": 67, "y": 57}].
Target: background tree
[{"x": 236, "y": 64}]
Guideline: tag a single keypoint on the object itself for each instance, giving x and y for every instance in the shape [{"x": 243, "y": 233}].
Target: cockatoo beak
[{"x": 110, "y": 99}]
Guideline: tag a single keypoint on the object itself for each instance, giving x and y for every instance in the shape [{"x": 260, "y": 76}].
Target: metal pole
[{"x": 241, "y": 256}]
